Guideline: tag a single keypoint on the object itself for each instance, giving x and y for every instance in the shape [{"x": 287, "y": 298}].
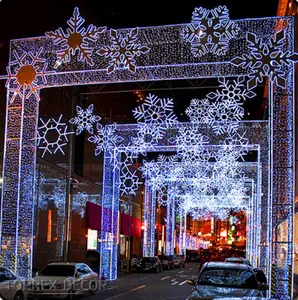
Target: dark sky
[
  {"x": 29, "y": 18},
  {"x": 23, "y": 18}
]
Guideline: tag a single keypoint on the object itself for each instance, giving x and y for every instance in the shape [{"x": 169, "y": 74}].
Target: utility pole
[{"x": 68, "y": 199}]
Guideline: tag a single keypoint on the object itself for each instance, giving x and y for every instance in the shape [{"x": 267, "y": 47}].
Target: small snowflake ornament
[
  {"x": 129, "y": 182},
  {"x": 105, "y": 138},
  {"x": 85, "y": 119},
  {"x": 123, "y": 51},
  {"x": 198, "y": 111},
  {"x": 52, "y": 136},
  {"x": 76, "y": 39}
]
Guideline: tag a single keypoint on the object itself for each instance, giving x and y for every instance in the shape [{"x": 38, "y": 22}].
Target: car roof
[
  {"x": 64, "y": 264},
  {"x": 236, "y": 259},
  {"x": 223, "y": 265}
]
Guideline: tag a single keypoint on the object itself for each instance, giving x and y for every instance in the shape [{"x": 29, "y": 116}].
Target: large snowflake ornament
[
  {"x": 129, "y": 182},
  {"x": 26, "y": 75},
  {"x": 52, "y": 135},
  {"x": 266, "y": 59},
  {"x": 157, "y": 112},
  {"x": 76, "y": 38},
  {"x": 210, "y": 31},
  {"x": 123, "y": 50},
  {"x": 105, "y": 138},
  {"x": 85, "y": 119}
]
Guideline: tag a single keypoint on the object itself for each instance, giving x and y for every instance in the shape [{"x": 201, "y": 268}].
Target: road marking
[
  {"x": 180, "y": 272},
  {"x": 114, "y": 287},
  {"x": 117, "y": 296},
  {"x": 165, "y": 278},
  {"x": 190, "y": 269},
  {"x": 174, "y": 281},
  {"x": 144, "y": 278},
  {"x": 138, "y": 288},
  {"x": 183, "y": 282}
]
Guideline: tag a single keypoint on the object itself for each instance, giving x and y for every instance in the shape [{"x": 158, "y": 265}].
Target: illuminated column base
[
  {"x": 170, "y": 228},
  {"x": 109, "y": 227},
  {"x": 182, "y": 235},
  {"x": 18, "y": 185},
  {"x": 149, "y": 221}
]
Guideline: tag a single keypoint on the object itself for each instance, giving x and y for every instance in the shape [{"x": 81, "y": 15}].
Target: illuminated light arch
[{"x": 163, "y": 62}]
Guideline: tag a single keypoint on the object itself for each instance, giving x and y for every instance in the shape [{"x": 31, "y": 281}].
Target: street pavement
[{"x": 167, "y": 285}]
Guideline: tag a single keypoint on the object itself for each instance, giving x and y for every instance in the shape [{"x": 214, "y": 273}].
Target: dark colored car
[
  {"x": 149, "y": 264},
  {"x": 167, "y": 262},
  {"x": 219, "y": 279},
  {"x": 262, "y": 280}
]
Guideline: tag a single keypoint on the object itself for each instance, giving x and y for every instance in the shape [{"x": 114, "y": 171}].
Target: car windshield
[
  {"x": 228, "y": 278},
  {"x": 148, "y": 259},
  {"x": 58, "y": 270}
]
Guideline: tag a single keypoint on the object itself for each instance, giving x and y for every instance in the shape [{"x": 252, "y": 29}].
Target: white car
[
  {"x": 64, "y": 280},
  {"x": 12, "y": 287}
]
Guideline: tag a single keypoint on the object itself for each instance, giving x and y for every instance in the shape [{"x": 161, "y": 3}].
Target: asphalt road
[{"x": 167, "y": 285}]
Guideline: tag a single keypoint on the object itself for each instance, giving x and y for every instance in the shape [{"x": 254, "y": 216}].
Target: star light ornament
[
  {"x": 266, "y": 59},
  {"x": 85, "y": 119},
  {"x": 76, "y": 39},
  {"x": 52, "y": 136},
  {"x": 123, "y": 51},
  {"x": 26, "y": 75},
  {"x": 210, "y": 31}
]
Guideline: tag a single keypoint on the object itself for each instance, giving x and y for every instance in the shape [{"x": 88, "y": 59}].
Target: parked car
[
  {"x": 64, "y": 279},
  {"x": 177, "y": 261},
  {"x": 220, "y": 279},
  {"x": 150, "y": 264},
  {"x": 167, "y": 262},
  {"x": 238, "y": 260},
  {"x": 12, "y": 287}
]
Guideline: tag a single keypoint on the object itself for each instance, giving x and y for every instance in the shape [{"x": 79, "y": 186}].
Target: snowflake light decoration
[
  {"x": 157, "y": 112},
  {"x": 52, "y": 135},
  {"x": 198, "y": 111},
  {"x": 266, "y": 59},
  {"x": 225, "y": 119},
  {"x": 76, "y": 38},
  {"x": 85, "y": 119},
  {"x": 231, "y": 92},
  {"x": 190, "y": 143},
  {"x": 129, "y": 181},
  {"x": 105, "y": 138},
  {"x": 210, "y": 31},
  {"x": 147, "y": 138},
  {"x": 26, "y": 75},
  {"x": 123, "y": 51}
]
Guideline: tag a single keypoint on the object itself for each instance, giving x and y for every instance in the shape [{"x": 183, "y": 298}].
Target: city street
[{"x": 169, "y": 284}]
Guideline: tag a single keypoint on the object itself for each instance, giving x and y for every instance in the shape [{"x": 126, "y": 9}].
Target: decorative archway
[{"x": 211, "y": 45}]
